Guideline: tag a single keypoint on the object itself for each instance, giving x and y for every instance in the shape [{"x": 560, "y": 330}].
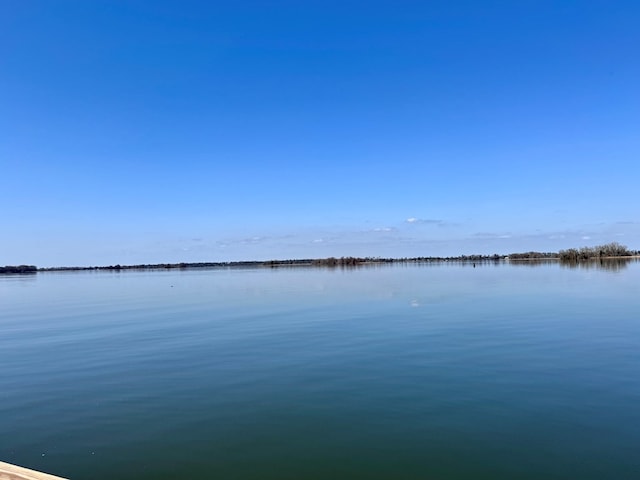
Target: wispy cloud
[
  {"x": 491, "y": 235},
  {"x": 424, "y": 221},
  {"x": 253, "y": 240},
  {"x": 384, "y": 229}
]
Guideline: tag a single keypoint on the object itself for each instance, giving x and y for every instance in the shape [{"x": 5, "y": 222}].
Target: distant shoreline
[
  {"x": 331, "y": 262},
  {"x": 314, "y": 262}
]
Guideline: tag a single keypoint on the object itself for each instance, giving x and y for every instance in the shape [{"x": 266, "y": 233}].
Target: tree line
[
  {"x": 19, "y": 269},
  {"x": 613, "y": 249}
]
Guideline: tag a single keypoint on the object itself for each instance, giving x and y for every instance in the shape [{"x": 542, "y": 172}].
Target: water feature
[{"x": 439, "y": 371}]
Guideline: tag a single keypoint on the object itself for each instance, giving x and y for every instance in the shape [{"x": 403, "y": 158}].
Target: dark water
[{"x": 418, "y": 372}]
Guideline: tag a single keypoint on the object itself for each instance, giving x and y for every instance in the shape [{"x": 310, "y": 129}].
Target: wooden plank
[{"x": 13, "y": 472}]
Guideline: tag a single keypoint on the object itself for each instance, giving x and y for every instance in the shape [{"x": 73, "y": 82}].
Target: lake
[{"x": 435, "y": 371}]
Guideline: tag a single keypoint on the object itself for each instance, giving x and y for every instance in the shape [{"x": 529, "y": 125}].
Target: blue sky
[{"x": 165, "y": 131}]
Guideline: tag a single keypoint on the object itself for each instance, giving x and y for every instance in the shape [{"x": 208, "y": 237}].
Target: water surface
[{"x": 405, "y": 372}]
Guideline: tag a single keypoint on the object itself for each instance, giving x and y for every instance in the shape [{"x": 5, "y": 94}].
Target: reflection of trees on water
[
  {"x": 609, "y": 264},
  {"x": 532, "y": 262}
]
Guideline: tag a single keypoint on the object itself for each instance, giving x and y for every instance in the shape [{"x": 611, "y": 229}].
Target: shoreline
[
  {"x": 316, "y": 262},
  {"x": 331, "y": 262}
]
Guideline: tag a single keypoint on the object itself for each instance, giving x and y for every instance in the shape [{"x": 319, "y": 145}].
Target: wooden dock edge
[{"x": 13, "y": 472}]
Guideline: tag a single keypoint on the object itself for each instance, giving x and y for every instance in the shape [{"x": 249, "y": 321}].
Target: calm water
[{"x": 396, "y": 372}]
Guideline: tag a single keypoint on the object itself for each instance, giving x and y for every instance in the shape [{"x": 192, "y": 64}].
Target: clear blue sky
[{"x": 166, "y": 131}]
